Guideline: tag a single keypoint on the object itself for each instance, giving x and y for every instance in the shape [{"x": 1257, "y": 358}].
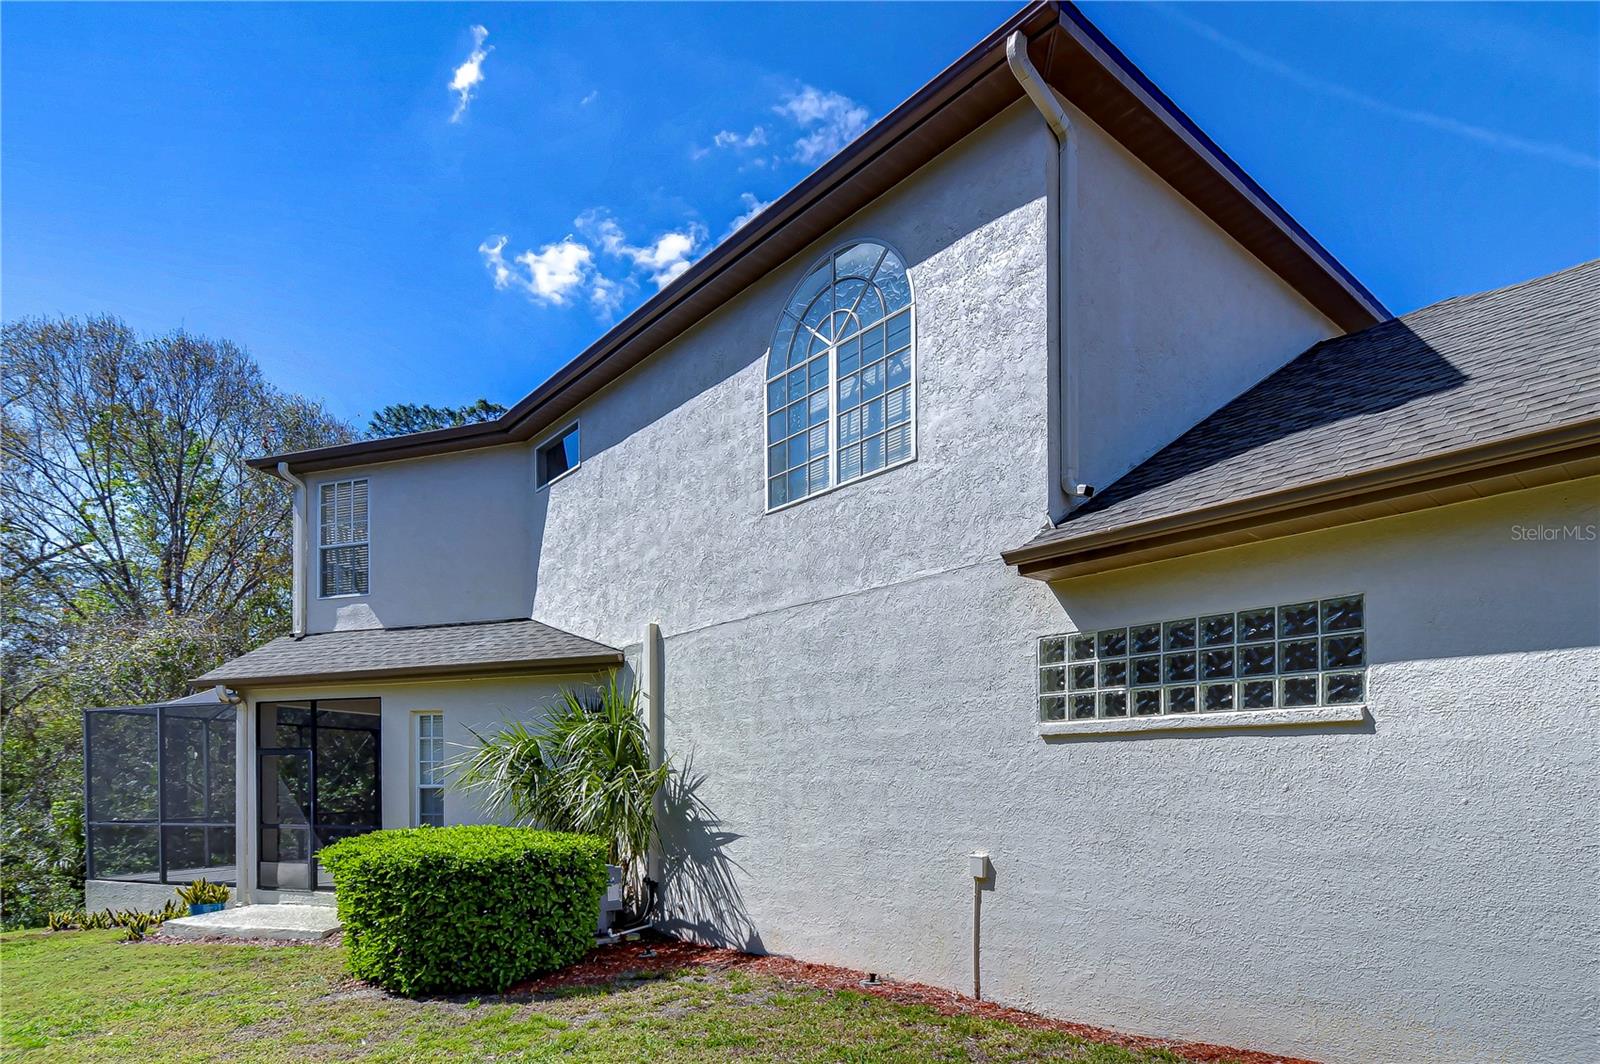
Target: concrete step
[{"x": 258, "y": 923}]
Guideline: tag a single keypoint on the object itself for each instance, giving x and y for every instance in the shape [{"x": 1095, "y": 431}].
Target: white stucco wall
[
  {"x": 1170, "y": 317},
  {"x": 449, "y": 542},
  {"x": 849, "y": 684},
  {"x": 116, "y": 894},
  {"x": 1420, "y": 888},
  {"x": 665, "y": 520}
]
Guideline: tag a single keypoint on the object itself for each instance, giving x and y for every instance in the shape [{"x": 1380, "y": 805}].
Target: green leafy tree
[
  {"x": 138, "y": 550},
  {"x": 400, "y": 419}
]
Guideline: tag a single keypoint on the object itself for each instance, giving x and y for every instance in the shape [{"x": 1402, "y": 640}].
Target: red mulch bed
[{"x": 658, "y": 955}]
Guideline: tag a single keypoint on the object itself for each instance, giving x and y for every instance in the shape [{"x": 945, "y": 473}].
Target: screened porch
[{"x": 160, "y": 791}]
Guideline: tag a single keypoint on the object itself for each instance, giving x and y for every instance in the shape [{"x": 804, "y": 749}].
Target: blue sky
[{"x": 307, "y": 180}]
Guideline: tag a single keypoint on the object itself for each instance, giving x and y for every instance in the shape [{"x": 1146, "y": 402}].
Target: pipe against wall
[{"x": 297, "y": 567}]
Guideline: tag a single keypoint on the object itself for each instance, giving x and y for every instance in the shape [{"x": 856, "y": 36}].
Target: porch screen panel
[
  {"x": 197, "y": 792},
  {"x": 160, "y": 786},
  {"x": 123, "y": 832},
  {"x": 347, "y": 770}
]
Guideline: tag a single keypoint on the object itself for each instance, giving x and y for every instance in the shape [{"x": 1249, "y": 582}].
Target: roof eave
[
  {"x": 530, "y": 667},
  {"x": 1564, "y": 452}
]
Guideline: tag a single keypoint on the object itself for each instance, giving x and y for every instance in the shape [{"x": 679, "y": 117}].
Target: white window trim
[
  {"x": 367, "y": 543},
  {"x": 834, "y": 483},
  {"x": 1242, "y": 718},
  {"x": 572, "y": 426},
  {"x": 417, "y": 786}
]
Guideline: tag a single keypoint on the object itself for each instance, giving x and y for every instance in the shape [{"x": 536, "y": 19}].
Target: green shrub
[{"x": 428, "y": 910}]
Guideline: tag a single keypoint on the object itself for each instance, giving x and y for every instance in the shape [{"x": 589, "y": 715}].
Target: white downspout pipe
[
  {"x": 651, "y": 682},
  {"x": 297, "y": 552},
  {"x": 1061, "y": 189}
]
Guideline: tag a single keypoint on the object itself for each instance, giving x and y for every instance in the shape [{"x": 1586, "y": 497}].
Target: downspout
[
  {"x": 297, "y": 552},
  {"x": 652, "y": 677},
  {"x": 1061, "y": 188}
]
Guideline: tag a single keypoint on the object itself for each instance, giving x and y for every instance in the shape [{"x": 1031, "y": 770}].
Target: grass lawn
[{"x": 81, "y": 995}]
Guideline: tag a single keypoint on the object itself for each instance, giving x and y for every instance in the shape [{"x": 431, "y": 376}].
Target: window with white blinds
[
  {"x": 430, "y": 770},
  {"x": 343, "y": 539}
]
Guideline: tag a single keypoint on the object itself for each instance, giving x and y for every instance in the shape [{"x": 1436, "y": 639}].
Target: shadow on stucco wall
[
  {"x": 1300, "y": 415},
  {"x": 701, "y": 898}
]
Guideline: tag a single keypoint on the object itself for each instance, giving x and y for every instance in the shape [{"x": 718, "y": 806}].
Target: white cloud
[
  {"x": 663, "y": 259},
  {"x": 605, "y": 295},
  {"x": 729, "y": 139},
  {"x": 589, "y": 99},
  {"x": 752, "y": 207},
  {"x": 551, "y": 275},
  {"x": 469, "y": 75},
  {"x": 569, "y": 268},
  {"x": 833, "y": 120}
]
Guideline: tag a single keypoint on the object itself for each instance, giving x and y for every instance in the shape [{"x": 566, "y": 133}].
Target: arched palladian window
[{"x": 839, "y": 375}]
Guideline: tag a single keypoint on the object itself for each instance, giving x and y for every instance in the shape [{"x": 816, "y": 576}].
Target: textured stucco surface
[
  {"x": 112, "y": 894},
  {"x": 1418, "y": 888},
  {"x": 849, "y": 682},
  {"x": 449, "y": 542},
  {"x": 1171, "y": 318}
]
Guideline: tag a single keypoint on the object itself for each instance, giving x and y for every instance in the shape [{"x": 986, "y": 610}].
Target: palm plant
[{"x": 585, "y": 769}]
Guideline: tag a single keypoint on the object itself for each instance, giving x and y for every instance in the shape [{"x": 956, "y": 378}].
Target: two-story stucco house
[{"x": 1024, "y": 482}]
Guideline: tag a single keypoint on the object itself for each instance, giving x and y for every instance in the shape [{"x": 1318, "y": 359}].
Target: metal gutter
[
  {"x": 301, "y": 507},
  {"x": 1565, "y": 452}
]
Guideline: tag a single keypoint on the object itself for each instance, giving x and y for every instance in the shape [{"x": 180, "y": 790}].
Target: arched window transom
[{"x": 839, "y": 375}]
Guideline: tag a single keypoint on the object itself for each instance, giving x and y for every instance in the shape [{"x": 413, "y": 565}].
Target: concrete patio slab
[{"x": 258, "y": 923}]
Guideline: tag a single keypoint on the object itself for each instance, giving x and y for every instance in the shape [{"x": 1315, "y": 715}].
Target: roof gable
[
  {"x": 1469, "y": 374},
  {"x": 1076, "y": 59}
]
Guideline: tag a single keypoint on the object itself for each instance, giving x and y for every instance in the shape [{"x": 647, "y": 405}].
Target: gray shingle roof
[
  {"x": 201, "y": 699},
  {"x": 1470, "y": 370},
  {"x": 438, "y": 650}
]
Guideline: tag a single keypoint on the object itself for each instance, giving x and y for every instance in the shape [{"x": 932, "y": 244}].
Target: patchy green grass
[{"x": 82, "y": 995}]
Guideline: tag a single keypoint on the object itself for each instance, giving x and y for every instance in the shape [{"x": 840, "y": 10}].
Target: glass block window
[
  {"x": 430, "y": 769},
  {"x": 1299, "y": 654},
  {"x": 342, "y": 539},
  {"x": 839, "y": 375}
]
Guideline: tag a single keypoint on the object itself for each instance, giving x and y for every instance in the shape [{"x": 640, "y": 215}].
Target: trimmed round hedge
[{"x": 429, "y": 910}]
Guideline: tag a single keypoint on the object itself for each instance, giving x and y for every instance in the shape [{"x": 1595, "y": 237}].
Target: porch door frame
[
  {"x": 248, "y": 767},
  {"x": 310, "y": 755}
]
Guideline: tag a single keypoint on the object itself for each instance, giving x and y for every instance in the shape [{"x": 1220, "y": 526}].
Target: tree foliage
[
  {"x": 400, "y": 419},
  {"x": 137, "y": 548}
]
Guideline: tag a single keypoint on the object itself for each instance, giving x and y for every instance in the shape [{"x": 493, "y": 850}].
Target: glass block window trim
[
  {"x": 1296, "y": 655},
  {"x": 841, "y": 392},
  {"x": 342, "y": 539}
]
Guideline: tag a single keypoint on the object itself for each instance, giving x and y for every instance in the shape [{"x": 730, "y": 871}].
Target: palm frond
[{"x": 586, "y": 769}]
